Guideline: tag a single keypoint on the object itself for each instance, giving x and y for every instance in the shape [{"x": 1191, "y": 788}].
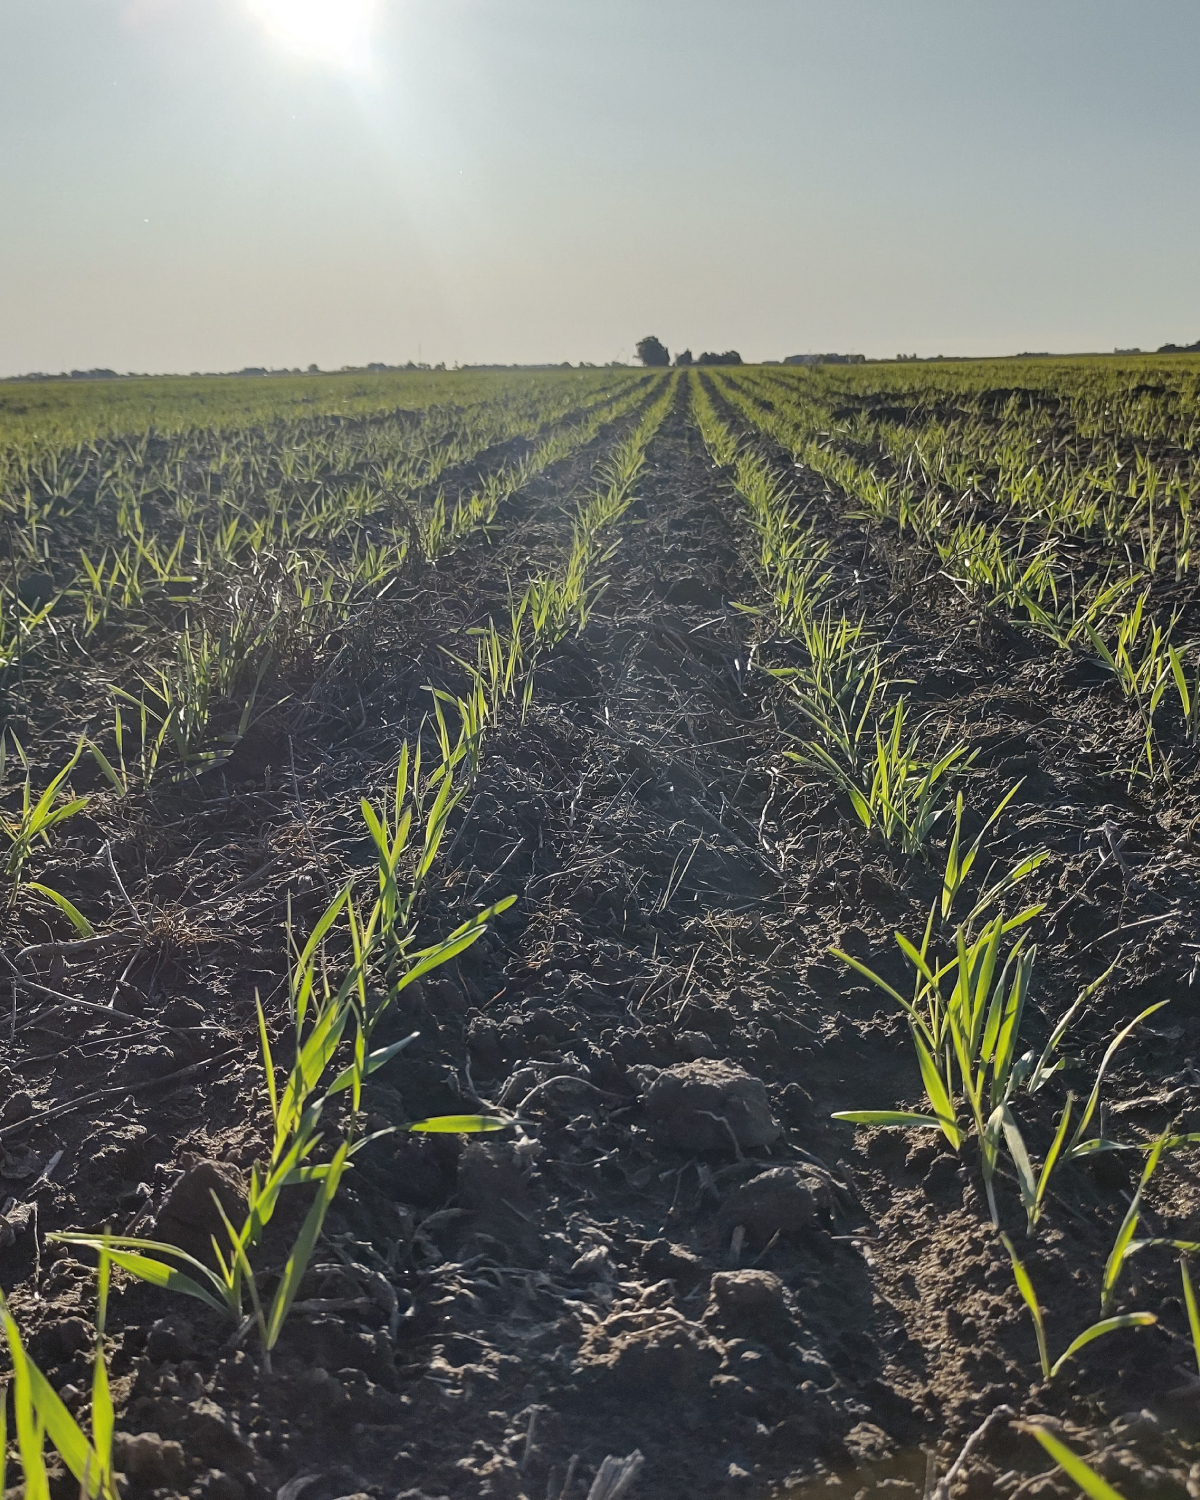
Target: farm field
[{"x": 744, "y": 820}]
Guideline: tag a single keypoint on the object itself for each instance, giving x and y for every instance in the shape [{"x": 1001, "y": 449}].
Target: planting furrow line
[
  {"x": 970, "y": 978},
  {"x": 1153, "y": 668}
]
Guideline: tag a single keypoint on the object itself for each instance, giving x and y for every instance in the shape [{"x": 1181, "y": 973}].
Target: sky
[{"x": 211, "y": 184}]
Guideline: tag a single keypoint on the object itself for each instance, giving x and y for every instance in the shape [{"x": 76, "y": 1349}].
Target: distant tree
[
  {"x": 730, "y": 357},
  {"x": 652, "y": 351},
  {"x": 684, "y": 359}
]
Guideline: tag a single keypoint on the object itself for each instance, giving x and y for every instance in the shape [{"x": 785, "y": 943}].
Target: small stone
[
  {"x": 595, "y": 1263},
  {"x": 695, "y": 1044},
  {"x": 942, "y": 1175},
  {"x": 17, "y": 1107},
  {"x": 867, "y": 1443},
  {"x": 189, "y": 1218},
  {"x": 15, "y": 1221},
  {"x": 781, "y": 1200},
  {"x": 170, "y": 1339},
  {"x": 1136, "y": 1426},
  {"x": 710, "y": 1105},
  {"x": 210, "y": 1436},
  {"x": 182, "y": 1012},
  {"x": 920, "y": 1157},
  {"x": 217, "y": 1485},
  {"x": 19, "y": 1164},
  {"x": 73, "y": 1335},
  {"x": 672, "y": 1262},
  {"x": 748, "y": 1295},
  {"x": 146, "y": 1459}
]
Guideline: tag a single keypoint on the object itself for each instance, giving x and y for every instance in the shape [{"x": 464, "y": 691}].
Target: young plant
[
  {"x": 1193, "y": 1311},
  {"x": 38, "y": 815},
  {"x": 39, "y": 1413},
  {"x": 1123, "y": 1243},
  {"x": 1092, "y": 1484},
  {"x": 965, "y": 1033},
  {"x": 1095, "y": 1331},
  {"x": 323, "y": 1017},
  {"x": 895, "y": 793},
  {"x": 17, "y": 626}
]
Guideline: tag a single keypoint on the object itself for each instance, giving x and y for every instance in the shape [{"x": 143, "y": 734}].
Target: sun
[{"x": 335, "y": 32}]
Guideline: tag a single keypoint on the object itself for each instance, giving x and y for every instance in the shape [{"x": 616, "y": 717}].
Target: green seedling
[
  {"x": 1095, "y": 1331},
  {"x": 38, "y": 815},
  {"x": 39, "y": 1414},
  {"x": 1123, "y": 1242},
  {"x": 1091, "y": 1483},
  {"x": 964, "y": 1020},
  {"x": 1193, "y": 1311},
  {"x": 324, "y": 1017}
]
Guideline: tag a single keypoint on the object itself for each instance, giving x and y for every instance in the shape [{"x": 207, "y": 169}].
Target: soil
[{"x": 677, "y": 1250}]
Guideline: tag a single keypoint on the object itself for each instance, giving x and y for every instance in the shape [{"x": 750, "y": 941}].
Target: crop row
[
  {"x": 987, "y": 1089},
  {"x": 1107, "y": 602},
  {"x": 344, "y": 980},
  {"x": 214, "y": 574}
]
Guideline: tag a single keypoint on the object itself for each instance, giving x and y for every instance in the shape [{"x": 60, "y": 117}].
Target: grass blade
[
  {"x": 76, "y": 918},
  {"x": 301, "y": 1254},
  {"x": 1120, "y": 1249},
  {"x": 888, "y": 1117},
  {"x": 459, "y": 1124},
  {"x": 1189, "y": 1298},
  {"x": 1098, "y": 1330},
  {"x": 1071, "y": 1464},
  {"x": 1025, "y": 1287}
]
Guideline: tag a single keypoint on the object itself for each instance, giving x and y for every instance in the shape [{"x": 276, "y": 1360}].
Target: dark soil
[{"x": 677, "y": 1250}]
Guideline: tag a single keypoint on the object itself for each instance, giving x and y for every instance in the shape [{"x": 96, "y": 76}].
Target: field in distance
[{"x": 603, "y": 909}]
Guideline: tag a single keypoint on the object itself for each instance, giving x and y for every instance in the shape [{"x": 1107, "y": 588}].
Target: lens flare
[{"x": 338, "y": 33}]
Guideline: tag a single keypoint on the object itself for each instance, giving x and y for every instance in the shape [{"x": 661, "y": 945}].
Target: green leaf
[
  {"x": 373, "y": 1062},
  {"x": 301, "y": 1254},
  {"x": 1029, "y": 1296},
  {"x": 936, "y": 1090},
  {"x": 1193, "y": 1312},
  {"x": 1186, "y": 1247},
  {"x": 1052, "y": 1155},
  {"x": 126, "y": 1252},
  {"x": 326, "y": 921},
  {"x": 1116, "y": 1258},
  {"x": 872, "y": 976},
  {"x": 30, "y": 1443},
  {"x": 64, "y": 1431},
  {"x": 888, "y": 1117},
  {"x": 301, "y": 1175},
  {"x": 159, "y": 1273},
  {"x": 461, "y": 938},
  {"x": 102, "y": 1416},
  {"x": 267, "y": 1059},
  {"x": 1094, "y": 1097},
  {"x": 76, "y": 918},
  {"x": 1098, "y": 1330},
  {"x": 459, "y": 1124},
  {"x": 1043, "y": 1069},
  {"x": 1084, "y": 1476},
  {"x": 1020, "y": 1156},
  {"x": 106, "y": 767}
]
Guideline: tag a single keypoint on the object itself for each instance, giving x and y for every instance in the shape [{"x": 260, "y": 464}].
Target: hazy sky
[{"x": 207, "y": 184}]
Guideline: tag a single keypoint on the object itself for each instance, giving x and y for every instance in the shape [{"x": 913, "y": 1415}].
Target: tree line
[{"x": 654, "y": 352}]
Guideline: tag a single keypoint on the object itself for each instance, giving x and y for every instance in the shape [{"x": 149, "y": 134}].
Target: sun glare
[{"x": 336, "y": 32}]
